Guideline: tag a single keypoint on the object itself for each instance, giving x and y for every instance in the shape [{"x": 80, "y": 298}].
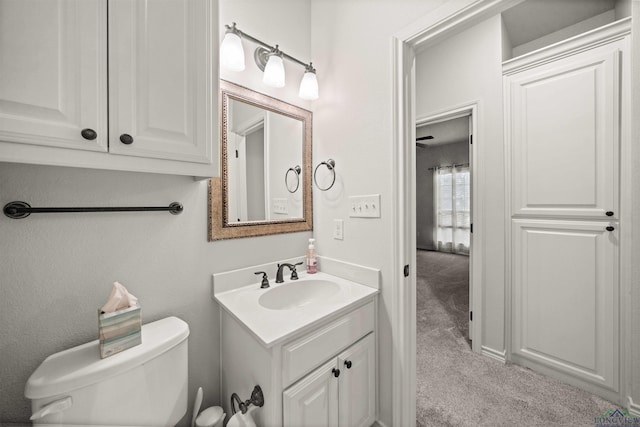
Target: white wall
[
  {"x": 460, "y": 70},
  {"x": 352, "y": 50},
  {"x": 57, "y": 269}
]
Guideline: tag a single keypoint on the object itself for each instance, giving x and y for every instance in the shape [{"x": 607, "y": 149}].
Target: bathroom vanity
[{"x": 311, "y": 346}]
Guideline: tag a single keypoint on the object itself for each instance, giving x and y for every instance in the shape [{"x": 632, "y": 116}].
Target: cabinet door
[
  {"x": 53, "y": 81},
  {"x": 357, "y": 385},
  {"x": 160, "y": 78},
  {"x": 565, "y": 136},
  {"x": 565, "y": 298},
  {"x": 313, "y": 401}
]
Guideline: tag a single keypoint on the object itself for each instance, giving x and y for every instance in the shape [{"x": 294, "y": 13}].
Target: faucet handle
[
  {"x": 294, "y": 273},
  {"x": 265, "y": 279}
]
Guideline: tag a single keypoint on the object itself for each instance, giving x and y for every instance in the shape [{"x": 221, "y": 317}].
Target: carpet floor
[{"x": 456, "y": 387}]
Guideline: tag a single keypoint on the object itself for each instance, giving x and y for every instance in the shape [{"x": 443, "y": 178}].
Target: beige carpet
[{"x": 456, "y": 387}]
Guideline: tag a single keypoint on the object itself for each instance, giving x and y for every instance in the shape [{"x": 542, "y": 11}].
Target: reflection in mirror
[
  {"x": 265, "y": 187},
  {"x": 264, "y": 144}
]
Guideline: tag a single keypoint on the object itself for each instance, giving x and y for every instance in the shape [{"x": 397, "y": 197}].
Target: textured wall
[{"x": 60, "y": 268}]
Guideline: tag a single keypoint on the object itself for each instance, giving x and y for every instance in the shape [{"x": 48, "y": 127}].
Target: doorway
[{"x": 443, "y": 225}]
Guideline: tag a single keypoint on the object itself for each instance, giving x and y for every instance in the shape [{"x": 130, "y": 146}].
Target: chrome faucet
[{"x": 292, "y": 267}]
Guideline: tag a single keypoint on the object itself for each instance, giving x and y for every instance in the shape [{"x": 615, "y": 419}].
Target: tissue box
[{"x": 119, "y": 330}]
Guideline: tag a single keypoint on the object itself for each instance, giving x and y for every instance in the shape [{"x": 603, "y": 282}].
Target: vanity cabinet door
[
  {"x": 53, "y": 81},
  {"x": 160, "y": 86},
  {"x": 357, "y": 385},
  {"x": 313, "y": 401}
]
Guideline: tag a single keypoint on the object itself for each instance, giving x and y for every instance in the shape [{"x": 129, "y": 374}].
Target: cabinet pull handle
[
  {"x": 336, "y": 372},
  {"x": 610, "y": 228},
  {"x": 89, "y": 134},
  {"x": 609, "y": 213},
  {"x": 347, "y": 363},
  {"x": 125, "y": 138}
]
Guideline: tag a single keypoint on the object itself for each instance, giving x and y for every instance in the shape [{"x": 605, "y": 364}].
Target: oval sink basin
[{"x": 297, "y": 294}]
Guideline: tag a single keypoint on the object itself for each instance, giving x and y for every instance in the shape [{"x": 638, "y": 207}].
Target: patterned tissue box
[{"x": 119, "y": 330}]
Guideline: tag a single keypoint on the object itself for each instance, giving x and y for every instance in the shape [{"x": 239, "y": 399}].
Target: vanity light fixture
[
  {"x": 268, "y": 58},
  {"x": 231, "y": 51},
  {"x": 309, "y": 84},
  {"x": 274, "y": 69}
]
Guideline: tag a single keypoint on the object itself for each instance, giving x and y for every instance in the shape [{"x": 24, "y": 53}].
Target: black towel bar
[{"x": 17, "y": 210}]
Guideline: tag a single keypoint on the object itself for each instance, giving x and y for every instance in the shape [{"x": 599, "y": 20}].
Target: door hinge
[
  {"x": 471, "y": 316},
  {"x": 470, "y": 139},
  {"x": 472, "y": 227},
  {"x": 406, "y": 270},
  {"x": 236, "y": 154}
]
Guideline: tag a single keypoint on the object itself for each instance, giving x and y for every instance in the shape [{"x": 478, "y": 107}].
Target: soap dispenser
[{"x": 312, "y": 258}]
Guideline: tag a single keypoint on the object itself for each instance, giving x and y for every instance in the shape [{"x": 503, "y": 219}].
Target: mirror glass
[{"x": 265, "y": 186}]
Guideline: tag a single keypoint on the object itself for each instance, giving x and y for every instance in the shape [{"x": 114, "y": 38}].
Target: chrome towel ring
[
  {"x": 296, "y": 170},
  {"x": 331, "y": 165}
]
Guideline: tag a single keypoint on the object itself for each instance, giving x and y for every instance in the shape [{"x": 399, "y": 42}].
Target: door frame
[
  {"x": 476, "y": 246},
  {"x": 447, "y": 20}
]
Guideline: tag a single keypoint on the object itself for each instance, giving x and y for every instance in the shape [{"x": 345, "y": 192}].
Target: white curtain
[{"x": 453, "y": 208}]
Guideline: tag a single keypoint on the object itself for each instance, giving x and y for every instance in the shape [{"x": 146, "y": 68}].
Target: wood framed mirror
[{"x": 265, "y": 156}]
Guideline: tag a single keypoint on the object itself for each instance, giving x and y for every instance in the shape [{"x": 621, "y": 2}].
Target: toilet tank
[{"x": 145, "y": 385}]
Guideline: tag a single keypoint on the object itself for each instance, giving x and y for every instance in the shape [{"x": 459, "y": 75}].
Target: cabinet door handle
[
  {"x": 609, "y": 213},
  {"x": 610, "y": 228},
  {"x": 89, "y": 134},
  {"x": 336, "y": 372},
  {"x": 347, "y": 363},
  {"x": 125, "y": 138}
]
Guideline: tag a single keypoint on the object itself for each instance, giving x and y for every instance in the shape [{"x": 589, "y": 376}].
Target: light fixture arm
[{"x": 242, "y": 34}]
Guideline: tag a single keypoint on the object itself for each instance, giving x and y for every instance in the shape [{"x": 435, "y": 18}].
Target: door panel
[
  {"x": 357, "y": 386},
  {"x": 565, "y": 297},
  {"x": 159, "y": 78},
  {"x": 313, "y": 401},
  {"x": 565, "y": 136},
  {"x": 54, "y": 75}
]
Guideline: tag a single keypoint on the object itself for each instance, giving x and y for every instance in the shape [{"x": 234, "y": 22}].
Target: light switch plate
[
  {"x": 364, "y": 206},
  {"x": 338, "y": 229},
  {"x": 280, "y": 206}
]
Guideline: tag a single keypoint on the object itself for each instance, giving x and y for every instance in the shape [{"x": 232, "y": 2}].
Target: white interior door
[
  {"x": 565, "y": 136},
  {"x": 565, "y": 297}
]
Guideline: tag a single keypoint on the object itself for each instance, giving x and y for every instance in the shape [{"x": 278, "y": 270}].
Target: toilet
[{"x": 145, "y": 385}]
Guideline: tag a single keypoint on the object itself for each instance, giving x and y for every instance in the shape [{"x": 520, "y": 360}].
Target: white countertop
[{"x": 271, "y": 327}]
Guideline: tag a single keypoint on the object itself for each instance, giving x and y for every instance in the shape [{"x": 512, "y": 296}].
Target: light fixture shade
[
  {"x": 231, "y": 52},
  {"x": 274, "y": 72},
  {"x": 308, "y": 86}
]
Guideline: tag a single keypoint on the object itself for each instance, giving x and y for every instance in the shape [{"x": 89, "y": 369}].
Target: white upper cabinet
[
  {"x": 159, "y": 90},
  {"x": 109, "y": 84},
  {"x": 53, "y": 73},
  {"x": 564, "y": 120}
]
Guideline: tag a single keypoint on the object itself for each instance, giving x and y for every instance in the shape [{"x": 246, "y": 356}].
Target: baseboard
[
  {"x": 633, "y": 408},
  {"x": 500, "y": 356}
]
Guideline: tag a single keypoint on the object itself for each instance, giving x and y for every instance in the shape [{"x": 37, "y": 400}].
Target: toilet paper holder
[{"x": 257, "y": 398}]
